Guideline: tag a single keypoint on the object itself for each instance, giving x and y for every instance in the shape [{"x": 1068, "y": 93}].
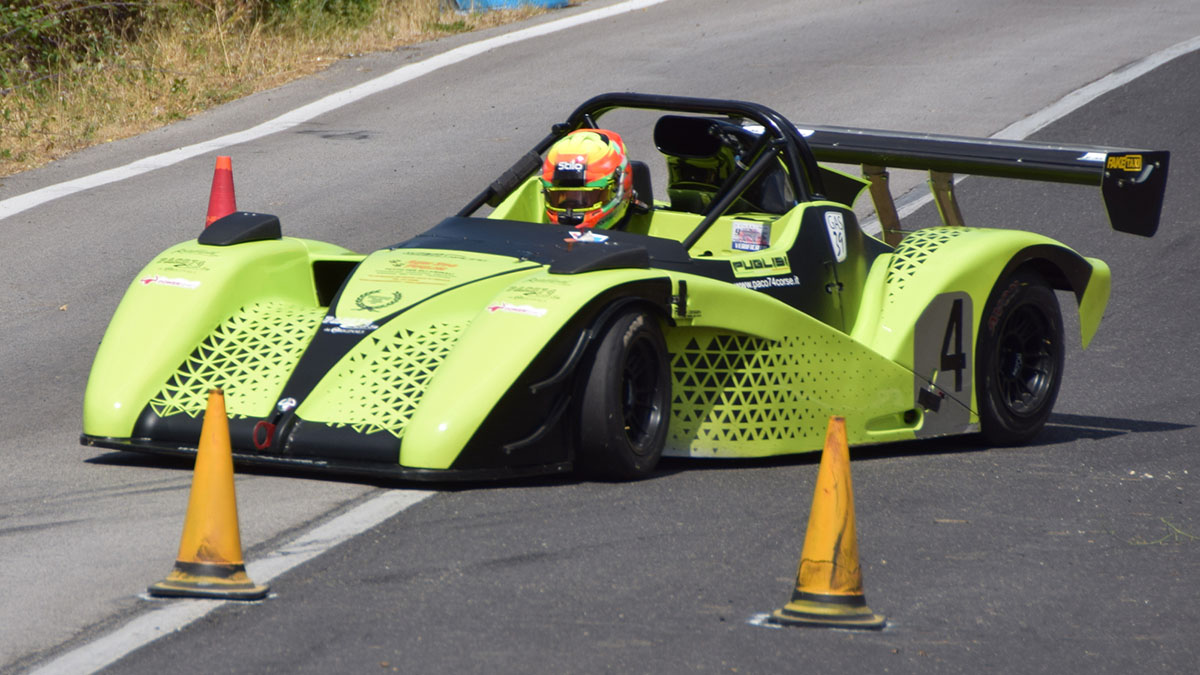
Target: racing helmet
[{"x": 586, "y": 179}]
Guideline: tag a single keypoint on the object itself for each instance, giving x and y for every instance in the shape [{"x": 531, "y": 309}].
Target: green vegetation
[
  {"x": 75, "y": 73},
  {"x": 1174, "y": 535}
]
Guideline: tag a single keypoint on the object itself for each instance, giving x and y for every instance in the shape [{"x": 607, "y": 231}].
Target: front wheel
[
  {"x": 625, "y": 400},
  {"x": 1019, "y": 359}
]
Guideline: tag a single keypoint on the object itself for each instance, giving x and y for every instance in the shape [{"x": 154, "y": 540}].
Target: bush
[
  {"x": 348, "y": 10},
  {"x": 313, "y": 12},
  {"x": 42, "y": 37},
  {"x": 74, "y": 73}
]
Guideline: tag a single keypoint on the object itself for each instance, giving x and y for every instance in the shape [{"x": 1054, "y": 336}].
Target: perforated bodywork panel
[
  {"x": 737, "y": 395},
  {"x": 248, "y": 356},
  {"x": 378, "y": 385}
]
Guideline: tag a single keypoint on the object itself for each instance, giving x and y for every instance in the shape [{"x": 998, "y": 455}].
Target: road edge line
[
  {"x": 175, "y": 615},
  {"x": 23, "y": 202},
  {"x": 1024, "y": 128}
]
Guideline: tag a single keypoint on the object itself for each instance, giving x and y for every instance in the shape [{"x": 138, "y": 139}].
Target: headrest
[{"x": 687, "y": 137}]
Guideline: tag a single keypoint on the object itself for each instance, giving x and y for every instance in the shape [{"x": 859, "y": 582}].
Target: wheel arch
[
  {"x": 938, "y": 260},
  {"x": 1089, "y": 279},
  {"x": 547, "y": 383}
]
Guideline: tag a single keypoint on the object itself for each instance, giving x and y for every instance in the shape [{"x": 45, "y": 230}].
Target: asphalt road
[{"x": 1076, "y": 554}]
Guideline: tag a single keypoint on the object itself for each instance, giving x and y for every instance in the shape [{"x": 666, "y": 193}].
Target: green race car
[{"x": 731, "y": 316}]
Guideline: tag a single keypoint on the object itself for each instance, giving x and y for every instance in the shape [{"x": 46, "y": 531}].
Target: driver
[{"x": 586, "y": 180}]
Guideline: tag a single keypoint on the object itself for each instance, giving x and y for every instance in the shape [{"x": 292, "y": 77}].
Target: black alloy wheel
[
  {"x": 625, "y": 398},
  {"x": 1019, "y": 361}
]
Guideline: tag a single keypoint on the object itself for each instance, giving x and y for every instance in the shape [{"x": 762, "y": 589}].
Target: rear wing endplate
[{"x": 1132, "y": 182}]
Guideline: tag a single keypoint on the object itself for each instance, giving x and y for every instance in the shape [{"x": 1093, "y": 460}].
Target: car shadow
[{"x": 1062, "y": 428}]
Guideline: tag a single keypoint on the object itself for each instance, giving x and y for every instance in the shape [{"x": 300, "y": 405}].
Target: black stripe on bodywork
[
  {"x": 328, "y": 347},
  {"x": 545, "y": 244},
  {"x": 321, "y": 355},
  {"x": 810, "y": 258}
]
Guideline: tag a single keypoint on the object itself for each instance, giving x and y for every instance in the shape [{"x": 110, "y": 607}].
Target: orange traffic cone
[
  {"x": 221, "y": 200},
  {"x": 210, "y": 564},
  {"x": 829, "y": 589}
]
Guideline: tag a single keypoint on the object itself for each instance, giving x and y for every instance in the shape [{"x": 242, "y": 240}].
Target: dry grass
[{"x": 201, "y": 59}]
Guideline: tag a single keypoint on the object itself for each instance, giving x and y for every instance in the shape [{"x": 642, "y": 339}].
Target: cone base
[
  {"x": 828, "y": 612},
  {"x": 214, "y": 581}
]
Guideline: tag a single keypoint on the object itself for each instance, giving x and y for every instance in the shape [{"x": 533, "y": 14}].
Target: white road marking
[
  {"x": 176, "y": 615},
  {"x": 28, "y": 200},
  {"x": 1022, "y": 129}
]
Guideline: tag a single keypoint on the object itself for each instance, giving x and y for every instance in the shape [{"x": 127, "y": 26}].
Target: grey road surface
[
  {"x": 1077, "y": 554},
  {"x": 85, "y": 531}
]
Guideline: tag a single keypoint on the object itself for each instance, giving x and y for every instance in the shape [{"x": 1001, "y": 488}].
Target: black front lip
[{"x": 348, "y": 468}]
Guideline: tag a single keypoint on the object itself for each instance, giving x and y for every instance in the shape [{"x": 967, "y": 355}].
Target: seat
[{"x": 703, "y": 156}]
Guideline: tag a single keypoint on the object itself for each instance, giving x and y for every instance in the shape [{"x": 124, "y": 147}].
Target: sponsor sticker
[
  {"x": 750, "y": 236},
  {"x": 404, "y": 268},
  {"x": 769, "y": 282},
  {"x": 348, "y": 325},
  {"x": 509, "y": 308},
  {"x": 530, "y": 292},
  {"x": 836, "y": 224},
  {"x": 373, "y": 301},
  {"x": 767, "y": 265},
  {"x": 181, "y": 263},
  {"x": 587, "y": 236},
  {"x": 1130, "y": 163},
  {"x": 424, "y": 265},
  {"x": 159, "y": 280},
  {"x": 195, "y": 250}
]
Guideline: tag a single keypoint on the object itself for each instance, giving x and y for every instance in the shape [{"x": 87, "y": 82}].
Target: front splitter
[{"x": 329, "y": 467}]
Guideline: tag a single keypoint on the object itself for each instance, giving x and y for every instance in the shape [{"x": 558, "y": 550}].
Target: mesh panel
[
  {"x": 913, "y": 251},
  {"x": 249, "y": 356},
  {"x": 379, "y": 384},
  {"x": 738, "y": 394}
]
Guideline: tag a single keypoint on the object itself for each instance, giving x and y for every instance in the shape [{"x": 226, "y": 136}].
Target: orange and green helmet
[{"x": 586, "y": 179}]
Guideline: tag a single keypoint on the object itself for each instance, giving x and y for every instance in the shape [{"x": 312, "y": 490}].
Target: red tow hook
[{"x": 264, "y": 430}]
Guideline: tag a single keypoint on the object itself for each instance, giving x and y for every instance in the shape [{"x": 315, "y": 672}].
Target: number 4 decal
[
  {"x": 954, "y": 359},
  {"x": 943, "y": 362}
]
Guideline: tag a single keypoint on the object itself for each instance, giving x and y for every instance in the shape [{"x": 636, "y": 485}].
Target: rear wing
[{"x": 1132, "y": 182}]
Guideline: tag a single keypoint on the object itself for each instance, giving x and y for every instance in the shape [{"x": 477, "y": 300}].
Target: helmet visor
[{"x": 578, "y": 199}]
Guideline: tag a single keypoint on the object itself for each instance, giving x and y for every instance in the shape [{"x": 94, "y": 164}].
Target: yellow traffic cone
[
  {"x": 210, "y": 563},
  {"x": 829, "y": 589}
]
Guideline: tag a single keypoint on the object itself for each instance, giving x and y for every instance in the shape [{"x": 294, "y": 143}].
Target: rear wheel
[
  {"x": 1019, "y": 359},
  {"x": 625, "y": 399}
]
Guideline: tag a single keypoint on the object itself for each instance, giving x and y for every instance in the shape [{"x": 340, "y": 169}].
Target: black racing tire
[
  {"x": 1018, "y": 359},
  {"x": 624, "y": 400}
]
